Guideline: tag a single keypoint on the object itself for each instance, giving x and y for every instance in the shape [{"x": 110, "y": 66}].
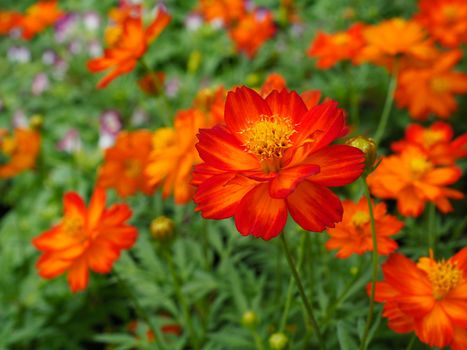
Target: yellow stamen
[
  {"x": 419, "y": 166},
  {"x": 341, "y": 39},
  {"x": 439, "y": 84},
  {"x": 269, "y": 137},
  {"x": 444, "y": 276},
  {"x": 132, "y": 167},
  {"x": 360, "y": 218},
  {"x": 450, "y": 12},
  {"x": 74, "y": 227}
]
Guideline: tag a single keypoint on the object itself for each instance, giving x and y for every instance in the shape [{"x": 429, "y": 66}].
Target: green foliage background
[{"x": 223, "y": 274}]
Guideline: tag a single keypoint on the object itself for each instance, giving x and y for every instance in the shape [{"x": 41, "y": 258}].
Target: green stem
[
  {"x": 387, "y": 108},
  {"x": 374, "y": 263},
  {"x": 258, "y": 341},
  {"x": 182, "y": 300},
  {"x": 431, "y": 226},
  {"x": 298, "y": 281},
  {"x": 411, "y": 342}
]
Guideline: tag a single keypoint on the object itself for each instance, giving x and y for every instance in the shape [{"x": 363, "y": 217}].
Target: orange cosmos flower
[
  {"x": 38, "y": 17},
  {"x": 353, "y": 234},
  {"x": 445, "y": 20},
  {"x": 429, "y": 298},
  {"x": 436, "y": 141},
  {"x": 211, "y": 103},
  {"x": 228, "y": 11},
  {"x": 86, "y": 238},
  {"x": 431, "y": 90},
  {"x": 258, "y": 22},
  {"x": 332, "y": 48},
  {"x": 124, "y": 164},
  {"x": 412, "y": 180},
  {"x": 273, "y": 157},
  {"x": 133, "y": 42},
  {"x": 18, "y": 152},
  {"x": 396, "y": 44},
  {"x": 8, "y": 21},
  {"x": 174, "y": 154}
]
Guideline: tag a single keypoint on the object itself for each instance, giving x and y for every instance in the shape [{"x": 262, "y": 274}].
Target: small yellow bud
[
  {"x": 249, "y": 319},
  {"x": 368, "y": 147},
  {"x": 36, "y": 121},
  {"x": 353, "y": 270},
  {"x": 278, "y": 341},
  {"x": 162, "y": 228},
  {"x": 194, "y": 61},
  {"x": 252, "y": 79}
]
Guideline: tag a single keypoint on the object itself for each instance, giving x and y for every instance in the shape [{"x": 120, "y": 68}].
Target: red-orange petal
[
  {"x": 287, "y": 180},
  {"x": 314, "y": 207},
  {"x": 260, "y": 215},
  {"x": 435, "y": 329},
  {"x": 157, "y": 26},
  {"x": 78, "y": 275},
  {"x": 287, "y": 104}
]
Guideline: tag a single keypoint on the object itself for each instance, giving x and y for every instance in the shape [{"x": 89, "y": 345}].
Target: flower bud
[
  {"x": 36, "y": 121},
  {"x": 162, "y": 228},
  {"x": 368, "y": 147},
  {"x": 278, "y": 341},
  {"x": 249, "y": 319}
]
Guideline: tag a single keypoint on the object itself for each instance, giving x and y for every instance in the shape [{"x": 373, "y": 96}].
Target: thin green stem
[
  {"x": 298, "y": 281},
  {"x": 258, "y": 341},
  {"x": 387, "y": 108},
  {"x": 411, "y": 342},
  {"x": 431, "y": 210},
  {"x": 374, "y": 263},
  {"x": 182, "y": 300}
]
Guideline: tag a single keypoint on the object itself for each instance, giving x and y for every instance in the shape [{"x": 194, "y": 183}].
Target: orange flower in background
[
  {"x": 436, "y": 141},
  {"x": 86, "y": 239},
  {"x": 429, "y": 298},
  {"x": 258, "y": 22},
  {"x": 152, "y": 83},
  {"x": 431, "y": 90},
  {"x": 353, "y": 234},
  {"x": 412, "y": 179},
  {"x": 397, "y": 44},
  {"x": 273, "y": 157},
  {"x": 227, "y": 11},
  {"x": 174, "y": 154},
  {"x": 332, "y": 48},
  {"x": 18, "y": 152},
  {"x": 8, "y": 21},
  {"x": 117, "y": 17},
  {"x": 211, "y": 103},
  {"x": 38, "y": 17},
  {"x": 131, "y": 45},
  {"x": 445, "y": 20},
  {"x": 124, "y": 164}
]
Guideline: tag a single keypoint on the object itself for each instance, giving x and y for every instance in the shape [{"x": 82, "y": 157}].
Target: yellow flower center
[
  {"x": 132, "y": 168},
  {"x": 360, "y": 218},
  {"x": 74, "y": 227},
  {"x": 450, "y": 12},
  {"x": 341, "y": 39},
  {"x": 444, "y": 276},
  {"x": 430, "y": 137},
  {"x": 419, "y": 166},
  {"x": 439, "y": 85},
  {"x": 112, "y": 35},
  {"x": 268, "y": 137}
]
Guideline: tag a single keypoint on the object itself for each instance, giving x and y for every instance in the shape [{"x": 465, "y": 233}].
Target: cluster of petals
[
  {"x": 353, "y": 234},
  {"x": 87, "y": 238},
  {"x": 125, "y": 162},
  {"x": 330, "y": 49},
  {"x": 129, "y": 46},
  {"x": 397, "y": 44},
  {"x": 445, "y": 20},
  {"x": 428, "y": 298},
  {"x": 430, "y": 90},
  {"x": 259, "y": 22},
  {"x": 436, "y": 141},
  {"x": 225, "y": 11},
  {"x": 8, "y": 21},
  {"x": 18, "y": 151},
  {"x": 412, "y": 179},
  {"x": 173, "y": 153},
  {"x": 273, "y": 157}
]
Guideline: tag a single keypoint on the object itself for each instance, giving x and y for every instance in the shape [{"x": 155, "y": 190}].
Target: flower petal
[
  {"x": 287, "y": 104},
  {"x": 260, "y": 215},
  {"x": 314, "y": 207},
  {"x": 287, "y": 180},
  {"x": 435, "y": 328},
  {"x": 78, "y": 275}
]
